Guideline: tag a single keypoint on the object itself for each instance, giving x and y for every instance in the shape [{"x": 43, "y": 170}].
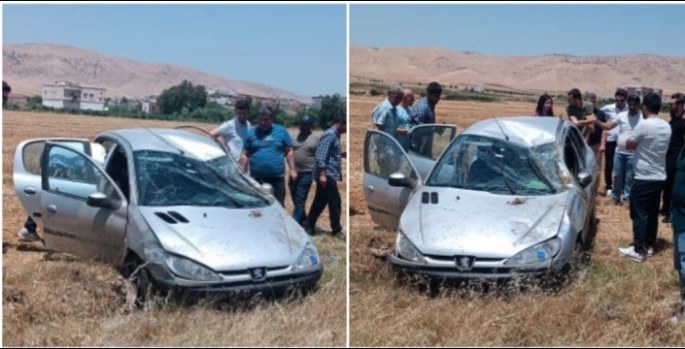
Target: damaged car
[
  {"x": 509, "y": 197},
  {"x": 170, "y": 207}
]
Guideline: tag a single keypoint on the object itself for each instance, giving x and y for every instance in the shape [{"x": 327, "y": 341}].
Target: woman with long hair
[{"x": 544, "y": 107}]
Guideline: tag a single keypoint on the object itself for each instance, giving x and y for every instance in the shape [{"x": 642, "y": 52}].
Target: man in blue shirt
[
  {"x": 264, "y": 149},
  {"x": 424, "y": 110},
  {"x": 328, "y": 171}
]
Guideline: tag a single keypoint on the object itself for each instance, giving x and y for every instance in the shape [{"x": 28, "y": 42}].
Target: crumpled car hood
[
  {"x": 481, "y": 224},
  {"x": 230, "y": 239}
]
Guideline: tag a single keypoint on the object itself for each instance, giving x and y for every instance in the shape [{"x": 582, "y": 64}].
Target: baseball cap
[{"x": 307, "y": 120}]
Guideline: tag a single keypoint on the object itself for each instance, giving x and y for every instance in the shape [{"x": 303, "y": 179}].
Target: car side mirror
[
  {"x": 399, "y": 180},
  {"x": 584, "y": 179},
  {"x": 100, "y": 200},
  {"x": 266, "y": 189}
]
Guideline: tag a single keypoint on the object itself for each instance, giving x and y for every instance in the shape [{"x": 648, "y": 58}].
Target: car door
[
  {"x": 27, "y": 171},
  {"x": 72, "y": 222},
  {"x": 580, "y": 205},
  {"x": 384, "y": 156},
  {"x": 427, "y": 143}
]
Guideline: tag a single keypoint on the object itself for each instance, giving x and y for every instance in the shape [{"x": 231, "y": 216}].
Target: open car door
[
  {"x": 383, "y": 157},
  {"x": 427, "y": 143},
  {"x": 27, "y": 171},
  {"x": 84, "y": 212}
]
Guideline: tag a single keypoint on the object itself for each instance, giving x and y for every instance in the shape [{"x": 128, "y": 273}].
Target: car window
[
  {"x": 385, "y": 157},
  {"x": 570, "y": 156},
  {"x": 73, "y": 175},
  {"x": 579, "y": 144},
  {"x": 430, "y": 141},
  {"x": 33, "y": 151},
  {"x": 498, "y": 167}
]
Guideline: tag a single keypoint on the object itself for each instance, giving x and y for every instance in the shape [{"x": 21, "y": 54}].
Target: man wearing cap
[
  {"x": 264, "y": 149},
  {"x": 234, "y": 132},
  {"x": 305, "y": 150},
  {"x": 328, "y": 171}
]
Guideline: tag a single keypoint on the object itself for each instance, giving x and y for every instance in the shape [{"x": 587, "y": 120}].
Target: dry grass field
[
  {"x": 614, "y": 302},
  {"x": 52, "y": 300}
]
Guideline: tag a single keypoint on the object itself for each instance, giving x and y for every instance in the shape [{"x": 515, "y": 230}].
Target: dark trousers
[
  {"x": 668, "y": 185},
  {"x": 326, "y": 196},
  {"x": 299, "y": 191},
  {"x": 30, "y": 225},
  {"x": 278, "y": 183},
  {"x": 679, "y": 259},
  {"x": 609, "y": 164},
  {"x": 644, "y": 212}
]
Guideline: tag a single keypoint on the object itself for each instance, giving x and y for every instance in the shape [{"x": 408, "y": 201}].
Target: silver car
[
  {"x": 169, "y": 203},
  {"x": 508, "y": 197}
]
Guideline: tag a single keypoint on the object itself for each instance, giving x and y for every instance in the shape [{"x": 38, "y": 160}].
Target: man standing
[
  {"x": 234, "y": 132},
  {"x": 580, "y": 113},
  {"x": 328, "y": 171},
  {"x": 678, "y": 211},
  {"x": 424, "y": 110},
  {"x": 404, "y": 118},
  {"x": 676, "y": 144},
  {"x": 6, "y": 89},
  {"x": 595, "y": 138},
  {"x": 649, "y": 141},
  {"x": 610, "y": 137},
  {"x": 623, "y": 161},
  {"x": 384, "y": 116},
  {"x": 264, "y": 149},
  {"x": 305, "y": 150}
]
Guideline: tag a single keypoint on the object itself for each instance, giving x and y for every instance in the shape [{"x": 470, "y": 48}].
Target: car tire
[{"x": 579, "y": 259}]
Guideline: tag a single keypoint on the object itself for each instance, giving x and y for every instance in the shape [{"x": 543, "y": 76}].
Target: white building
[
  {"x": 475, "y": 88},
  {"x": 66, "y": 95}
]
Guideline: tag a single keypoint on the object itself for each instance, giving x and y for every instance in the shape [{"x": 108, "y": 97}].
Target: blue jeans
[
  {"x": 299, "y": 190},
  {"x": 679, "y": 259},
  {"x": 623, "y": 176}
]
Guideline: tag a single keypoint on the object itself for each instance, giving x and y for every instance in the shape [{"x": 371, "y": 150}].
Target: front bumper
[
  {"x": 486, "y": 274},
  {"x": 272, "y": 286}
]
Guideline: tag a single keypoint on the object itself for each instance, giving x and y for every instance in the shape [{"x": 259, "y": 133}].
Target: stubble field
[
  {"x": 614, "y": 302},
  {"x": 55, "y": 300}
]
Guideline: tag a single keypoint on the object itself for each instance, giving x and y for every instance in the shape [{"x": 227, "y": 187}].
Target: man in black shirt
[{"x": 676, "y": 144}]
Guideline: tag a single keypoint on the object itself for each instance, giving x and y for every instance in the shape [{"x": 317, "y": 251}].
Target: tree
[
  {"x": 332, "y": 107},
  {"x": 183, "y": 98}
]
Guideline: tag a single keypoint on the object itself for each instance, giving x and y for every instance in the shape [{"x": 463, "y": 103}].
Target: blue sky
[
  {"x": 524, "y": 29},
  {"x": 299, "y": 48}
]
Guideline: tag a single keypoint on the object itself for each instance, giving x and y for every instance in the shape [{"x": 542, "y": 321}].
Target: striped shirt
[
  {"x": 422, "y": 113},
  {"x": 385, "y": 115},
  {"x": 652, "y": 136},
  {"x": 328, "y": 155}
]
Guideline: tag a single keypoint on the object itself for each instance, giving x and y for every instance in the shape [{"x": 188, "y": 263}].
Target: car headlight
[
  {"x": 537, "y": 254},
  {"x": 407, "y": 250},
  {"x": 308, "y": 258},
  {"x": 190, "y": 270}
]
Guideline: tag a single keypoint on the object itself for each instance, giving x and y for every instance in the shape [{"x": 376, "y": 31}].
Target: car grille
[
  {"x": 247, "y": 272},
  {"x": 451, "y": 259}
]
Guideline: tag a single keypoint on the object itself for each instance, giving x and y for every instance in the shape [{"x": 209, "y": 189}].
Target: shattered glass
[
  {"x": 169, "y": 179},
  {"x": 498, "y": 167}
]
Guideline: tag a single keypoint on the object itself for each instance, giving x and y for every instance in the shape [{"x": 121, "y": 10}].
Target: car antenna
[
  {"x": 501, "y": 129},
  {"x": 161, "y": 138}
]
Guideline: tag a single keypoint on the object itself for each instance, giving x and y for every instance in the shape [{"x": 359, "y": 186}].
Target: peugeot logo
[
  {"x": 258, "y": 274},
  {"x": 464, "y": 263}
]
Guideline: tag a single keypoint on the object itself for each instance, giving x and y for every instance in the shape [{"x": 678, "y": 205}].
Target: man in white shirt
[
  {"x": 649, "y": 141},
  {"x": 234, "y": 132},
  {"x": 610, "y": 137},
  {"x": 623, "y": 161}
]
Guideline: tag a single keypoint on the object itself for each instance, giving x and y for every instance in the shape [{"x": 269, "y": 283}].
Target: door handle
[
  {"x": 369, "y": 188},
  {"x": 52, "y": 209},
  {"x": 30, "y": 190}
]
